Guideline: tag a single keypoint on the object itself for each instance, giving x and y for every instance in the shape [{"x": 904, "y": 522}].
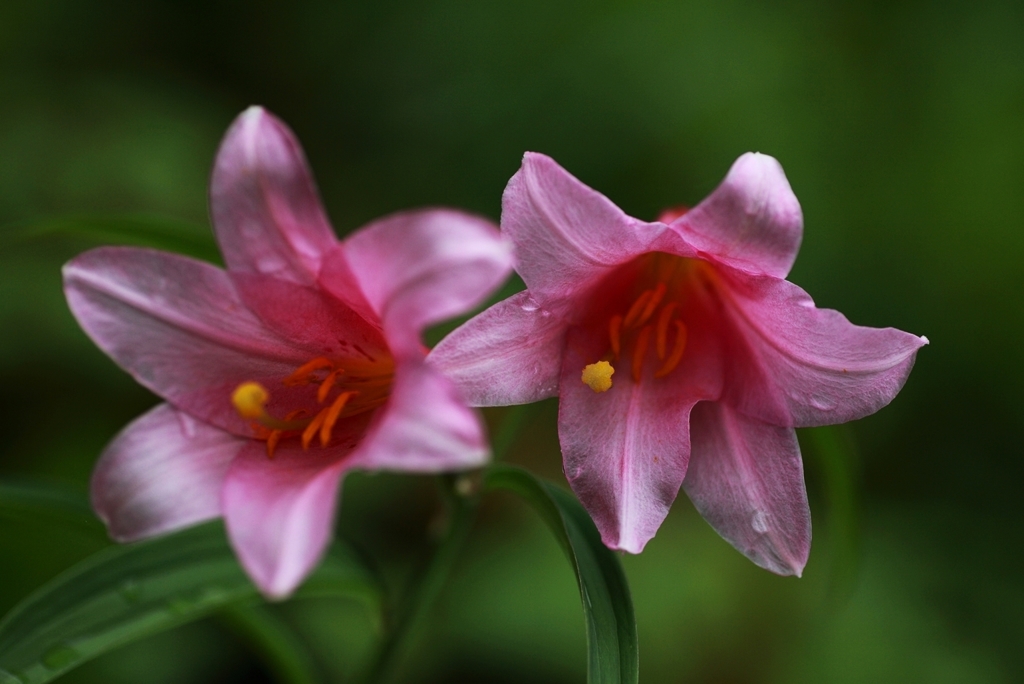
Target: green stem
[
  {"x": 418, "y": 604},
  {"x": 281, "y": 650},
  {"x": 421, "y": 598}
]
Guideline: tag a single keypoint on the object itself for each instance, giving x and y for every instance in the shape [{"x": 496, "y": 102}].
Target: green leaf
[
  {"x": 607, "y": 606},
  {"x": 23, "y": 501},
  {"x": 125, "y": 593},
  {"x": 140, "y": 230},
  {"x": 282, "y": 650}
]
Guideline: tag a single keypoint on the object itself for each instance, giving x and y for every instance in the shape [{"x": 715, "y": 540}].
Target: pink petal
[
  {"x": 421, "y": 267},
  {"x": 280, "y": 512},
  {"x": 509, "y": 354},
  {"x": 163, "y": 472},
  {"x": 178, "y": 326},
  {"x": 309, "y": 318},
  {"x": 425, "y": 427},
  {"x": 337, "y": 278},
  {"x": 747, "y": 480},
  {"x": 626, "y": 450},
  {"x": 752, "y": 221},
  {"x": 265, "y": 208},
  {"x": 566, "y": 235},
  {"x": 795, "y": 365}
]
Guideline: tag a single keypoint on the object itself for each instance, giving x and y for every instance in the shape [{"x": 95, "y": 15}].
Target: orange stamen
[
  {"x": 664, "y": 318},
  {"x": 302, "y": 373},
  {"x": 260, "y": 431},
  {"x": 311, "y": 429},
  {"x": 331, "y": 416},
  {"x": 652, "y": 304},
  {"x": 640, "y": 351},
  {"x": 637, "y": 308},
  {"x": 272, "y": 441},
  {"x": 677, "y": 352},
  {"x": 615, "y": 332},
  {"x": 327, "y": 384}
]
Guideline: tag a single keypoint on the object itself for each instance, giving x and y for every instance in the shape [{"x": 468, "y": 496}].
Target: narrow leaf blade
[
  {"x": 125, "y": 593},
  {"x": 604, "y": 592}
]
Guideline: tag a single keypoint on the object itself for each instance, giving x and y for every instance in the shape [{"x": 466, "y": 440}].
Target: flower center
[
  {"x": 341, "y": 392},
  {"x": 650, "y": 324}
]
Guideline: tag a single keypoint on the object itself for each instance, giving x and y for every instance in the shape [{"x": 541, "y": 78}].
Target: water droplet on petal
[
  {"x": 60, "y": 657},
  {"x": 760, "y": 522},
  {"x": 529, "y": 305},
  {"x": 822, "y": 403}
]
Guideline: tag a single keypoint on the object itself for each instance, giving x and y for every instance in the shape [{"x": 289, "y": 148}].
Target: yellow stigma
[
  {"x": 598, "y": 376},
  {"x": 249, "y": 399}
]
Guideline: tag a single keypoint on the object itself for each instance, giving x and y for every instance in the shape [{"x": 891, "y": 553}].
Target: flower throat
[
  {"x": 341, "y": 392},
  {"x": 652, "y": 322}
]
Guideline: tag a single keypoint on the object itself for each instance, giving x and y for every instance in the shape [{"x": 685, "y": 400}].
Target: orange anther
[
  {"x": 643, "y": 340},
  {"x": 327, "y": 384},
  {"x": 272, "y": 441},
  {"x": 302, "y": 373},
  {"x": 664, "y": 318},
  {"x": 638, "y": 306},
  {"x": 652, "y": 304},
  {"x": 311, "y": 429},
  {"x": 331, "y": 416},
  {"x": 615, "y": 332},
  {"x": 677, "y": 352}
]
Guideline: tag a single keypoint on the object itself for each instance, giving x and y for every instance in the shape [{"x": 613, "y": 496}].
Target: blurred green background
[{"x": 901, "y": 128}]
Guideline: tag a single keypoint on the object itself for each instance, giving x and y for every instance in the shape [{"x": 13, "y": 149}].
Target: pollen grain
[{"x": 598, "y": 376}]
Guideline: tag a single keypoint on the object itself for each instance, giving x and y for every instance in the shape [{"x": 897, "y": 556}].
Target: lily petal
[
  {"x": 625, "y": 451},
  {"x": 309, "y": 318},
  {"x": 421, "y": 267},
  {"x": 337, "y": 278},
  {"x": 178, "y": 326},
  {"x": 747, "y": 480},
  {"x": 425, "y": 427},
  {"x": 509, "y": 354},
  {"x": 279, "y": 512},
  {"x": 752, "y": 221},
  {"x": 796, "y": 365},
  {"x": 163, "y": 472},
  {"x": 566, "y": 235},
  {"x": 265, "y": 208}
]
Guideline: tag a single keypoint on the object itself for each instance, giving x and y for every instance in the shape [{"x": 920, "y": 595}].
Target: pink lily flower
[
  {"x": 680, "y": 355},
  {"x": 300, "y": 362}
]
